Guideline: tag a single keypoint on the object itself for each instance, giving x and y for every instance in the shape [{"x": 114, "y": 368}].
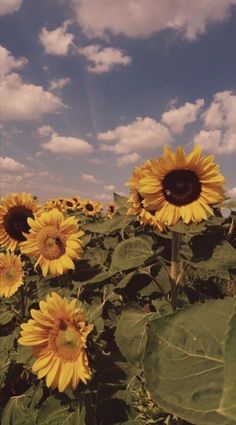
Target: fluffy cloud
[
  {"x": 141, "y": 135},
  {"x": 103, "y": 197},
  {"x": 25, "y": 101},
  {"x": 58, "y": 41},
  {"x": 59, "y": 83},
  {"x": 89, "y": 178},
  {"x": 8, "y": 62},
  {"x": 9, "y": 165},
  {"x": 142, "y": 18},
  {"x": 177, "y": 118},
  {"x": 9, "y": 6},
  {"x": 219, "y": 125},
  {"x": 110, "y": 187},
  {"x": 22, "y": 101},
  {"x": 44, "y": 131},
  {"x": 130, "y": 158},
  {"x": 232, "y": 193},
  {"x": 103, "y": 59},
  {"x": 67, "y": 145}
]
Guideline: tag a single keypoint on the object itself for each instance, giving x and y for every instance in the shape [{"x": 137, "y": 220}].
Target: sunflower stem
[
  {"x": 174, "y": 268},
  {"x": 22, "y": 302}
]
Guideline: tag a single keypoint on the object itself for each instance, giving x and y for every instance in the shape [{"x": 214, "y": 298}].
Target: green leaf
[
  {"x": 184, "y": 361},
  {"x": 52, "y": 412},
  {"x": 6, "y": 315},
  {"x": 228, "y": 402},
  {"x": 120, "y": 201},
  {"x": 6, "y": 344},
  {"x": 223, "y": 258},
  {"x": 131, "y": 335},
  {"x": 18, "y": 411},
  {"x": 95, "y": 256},
  {"x": 181, "y": 227},
  {"x": 110, "y": 241},
  {"x": 106, "y": 226},
  {"x": 131, "y": 253}
]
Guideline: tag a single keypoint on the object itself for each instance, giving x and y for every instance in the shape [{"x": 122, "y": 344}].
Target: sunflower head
[
  {"x": 57, "y": 203},
  {"x": 179, "y": 186},
  {"x": 111, "y": 209},
  {"x": 11, "y": 274},
  {"x": 15, "y": 209},
  {"x": 70, "y": 204},
  {"x": 57, "y": 335},
  {"x": 77, "y": 201},
  {"x": 146, "y": 217},
  {"x": 90, "y": 208},
  {"x": 54, "y": 241}
]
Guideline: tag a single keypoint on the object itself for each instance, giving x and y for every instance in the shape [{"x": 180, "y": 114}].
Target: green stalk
[{"x": 174, "y": 268}]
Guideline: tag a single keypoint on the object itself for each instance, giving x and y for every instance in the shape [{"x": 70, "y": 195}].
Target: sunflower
[
  {"x": 90, "y": 208},
  {"x": 54, "y": 241},
  {"x": 77, "y": 201},
  {"x": 57, "y": 203},
  {"x": 11, "y": 274},
  {"x": 14, "y": 212},
  {"x": 111, "y": 209},
  {"x": 136, "y": 200},
  {"x": 182, "y": 186},
  {"x": 71, "y": 204},
  {"x": 57, "y": 335}
]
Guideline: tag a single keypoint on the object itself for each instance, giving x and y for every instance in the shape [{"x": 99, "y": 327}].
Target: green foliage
[
  {"x": 150, "y": 364},
  {"x": 184, "y": 361}
]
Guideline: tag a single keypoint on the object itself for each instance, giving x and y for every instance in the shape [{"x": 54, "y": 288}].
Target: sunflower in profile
[
  {"x": 111, "y": 209},
  {"x": 57, "y": 335},
  {"x": 54, "y": 241},
  {"x": 77, "y": 201},
  {"x": 180, "y": 186},
  {"x": 15, "y": 209},
  {"x": 11, "y": 274},
  {"x": 57, "y": 203},
  {"x": 136, "y": 200},
  {"x": 90, "y": 208}
]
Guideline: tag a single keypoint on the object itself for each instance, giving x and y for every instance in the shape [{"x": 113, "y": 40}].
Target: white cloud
[
  {"x": 9, "y": 6},
  {"x": 232, "y": 193},
  {"x": 219, "y": 125},
  {"x": 103, "y": 59},
  {"x": 8, "y": 62},
  {"x": 59, "y": 83},
  {"x": 96, "y": 161},
  {"x": 89, "y": 178},
  {"x": 130, "y": 158},
  {"x": 25, "y": 101},
  {"x": 10, "y": 165},
  {"x": 110, "y": 187},
  {"x": 58, "y": 41},
  {"x": 67, "y": 145},
  {"x": 22, "y": 101},
  {"x": 103, "y": 197},
  {"x": 142, "y": 134},
  {"x": 177, "y": 118},
  {"x": 142, "y": 18},
  {"x": 44, "y": 131}
]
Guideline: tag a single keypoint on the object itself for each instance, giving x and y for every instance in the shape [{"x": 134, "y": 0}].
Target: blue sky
[{"x": 92, "y": 88}]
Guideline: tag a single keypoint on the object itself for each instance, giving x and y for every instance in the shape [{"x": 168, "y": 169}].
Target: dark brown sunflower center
[
  {"x": 89, "y": 207},
  {"x": 181, "y": 187},
  {"x": 69, "y": 204},
  {"x": 15, "y": 222},
  {"x": 112, "y": 208}
]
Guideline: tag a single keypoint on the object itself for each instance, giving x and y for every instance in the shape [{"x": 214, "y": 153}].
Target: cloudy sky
[{"x": 92, "y": 88}]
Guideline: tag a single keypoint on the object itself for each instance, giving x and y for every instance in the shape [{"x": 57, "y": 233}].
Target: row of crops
[{"x": 124, "y": 315}]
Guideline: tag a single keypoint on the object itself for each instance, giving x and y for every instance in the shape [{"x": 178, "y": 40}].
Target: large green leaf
[
  {"x": 106, "y": 226},
  {"x": 120, "y": 201},
  {"x": 184, "y": 361},
  {"x": 228, "y": 402},
  {"x": 20, "y": 410},
  {"x": 6, "y": 315},
  {"x": 131, "y": 334},
  {"x": 131, "y": 253},
  {"x": 52, "y": 412}
]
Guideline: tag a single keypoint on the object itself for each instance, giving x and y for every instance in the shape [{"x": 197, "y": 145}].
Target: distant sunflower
[
  {"x": 77, "y": 201},
  {"x": 15, "y": 209},
  {"x": 111, "y": 209},
  {"x": 11, "y": 274},
  {"x": 136, "y": 200},
  {"x": 57, "y": 335},
  {"x": 57, "y": 203},
  {"x": 71, "y": 204},
  {"x": 182, "y": 186},
  {"x": 90, "y": 208},
  {"x": 54, "y": 241}
]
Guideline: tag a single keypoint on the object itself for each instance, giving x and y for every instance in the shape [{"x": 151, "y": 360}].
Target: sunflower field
[{"x": 124, "y": 315}]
